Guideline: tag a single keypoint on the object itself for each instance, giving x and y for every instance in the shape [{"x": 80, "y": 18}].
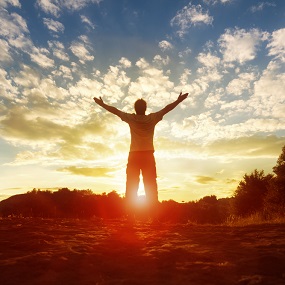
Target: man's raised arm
[
  {"x": 111, "y": 109},
  {"x": 171, "y": 106}
]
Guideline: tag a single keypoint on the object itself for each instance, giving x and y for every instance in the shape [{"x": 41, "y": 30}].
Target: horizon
[{"x": 56, "y": 56}]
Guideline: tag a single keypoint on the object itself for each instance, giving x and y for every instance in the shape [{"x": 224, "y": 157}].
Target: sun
[{"x": 141, "y": 191}]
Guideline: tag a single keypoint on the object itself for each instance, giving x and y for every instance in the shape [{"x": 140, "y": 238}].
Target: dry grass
[
  {"x": 254, "y": 219},
  {"x": 65, "y": 251}
]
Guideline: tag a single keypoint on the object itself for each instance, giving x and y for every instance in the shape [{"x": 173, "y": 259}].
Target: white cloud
[
  {"x": 277, "y": 44},
  {"x": 238, "y": 85},
  {"x": 51, "y": 90},
  {"x": 49, "y": 6},
  {"x": 87, "y": 21},
  {"x": 214, "y": 98},
  {"x": 7, "y": 90},
  {"x": 158, "y": 59},
  {"x": 190, "y": 15},
  {"x": 241, "y": 45},
  {"x": 114, "y": 82},
  {"x": 208, "y": 60},
  {"x": 5, "y": 3},
  {"x": 55, "y": 7},
  {"x": 77, "y": 5},
  {"x": 152, "y": 84},
  {"x": 268, "y": 100},
  {"x": 209, "y": 72},
  {"x": 165, "y": 45},
  {"x": 40, "y": 56},
  {"x": 4, "y": 51},
  {"x": 86, "y": 87},
  {"x": 58, "y": 50},
  {"x": 64, "y": 72},
  {"x": 214, "y": 2},
  {"x": 185, "y": 52},
  {"x": 80, "y": 51},
  {"x": 184, "y": 76},
  {"x": 15, "y": 30},
  {"x": 260, "y": 6},
  {"x": 27, "y": 77},
  {"x": 125, "y": 62},
  {"x": 205, "y": 129},
  {"x": 53, "y": 26}
]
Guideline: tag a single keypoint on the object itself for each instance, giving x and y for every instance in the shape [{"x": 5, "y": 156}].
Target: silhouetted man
[{"x": 141, "y": 155}]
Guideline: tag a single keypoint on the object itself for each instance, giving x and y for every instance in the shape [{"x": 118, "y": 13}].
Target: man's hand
[
  {"x": 182, "y": 97},
  {"x": 99, "y": 100}
]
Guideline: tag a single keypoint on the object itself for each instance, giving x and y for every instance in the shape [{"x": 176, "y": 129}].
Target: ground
[{"x": 65, "y": 251}]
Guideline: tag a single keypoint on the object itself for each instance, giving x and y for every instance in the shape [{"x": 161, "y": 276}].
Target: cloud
[
  {"x": 7, "y": 88},
  {"x": 268, "y": 100},
  {"x": 151, "y": 84},
  {"x": 4, "y": 51},
  {"x": 15, "y": 30},
  {"x": 158, "y": 59},
  {"x": 185, "y": 76},
  {"x": 49, "y": 6},
  {"x": 55, "y": 7},
  {"x": 77, "y": 5},
  {"x": 40, "y": 57},
  {"x": 239, "y": 45},
  {"x": 5, "y": 3},
  {"x": 27, "y": 77},
  {"x": 260, "y": 6},
  {"x": 87, "y": 21},
  {"x": 125, "y": 62},
  {"x": 86, "y": 87},
  {"x": 17, "y": 124},
  {"x": 53, "y": 26},
  {"x": 185, "y": 53},
  {"x": 58, "y": 50},
  {"x": 205, "y": 179},
  {"x": 190, "y": 15},
  {"x": 165, "y": 45},
  {"x": 209, "y": 60},
  {"x": 63, "y": 72},
  {"x": 276, "y": 45},
  {"x": 87, "y": 171},
  {"x": 238, "y": 85},
  {"x": 252, "y": 146},
  {"x": 206, "y": 127},
  {"x": 114, "y": 82},
  {"x": 214, "y": 2},
  {"x": 80, "y": 51}
]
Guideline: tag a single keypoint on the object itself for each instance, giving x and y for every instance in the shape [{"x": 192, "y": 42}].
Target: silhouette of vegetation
[
  {"x": 66, "y": 203},
  {"x": 63, "y": 203},
  {"x": 275, "y": 198},
  {"x": 257, "y": 195},
  {"x": 250, "y": 193}
]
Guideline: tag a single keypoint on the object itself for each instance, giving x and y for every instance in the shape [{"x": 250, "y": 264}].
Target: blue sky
[{"x": 56, "y": 55}]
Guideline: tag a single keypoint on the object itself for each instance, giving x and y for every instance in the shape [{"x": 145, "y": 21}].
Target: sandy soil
[{"x": 36, "y": 251}]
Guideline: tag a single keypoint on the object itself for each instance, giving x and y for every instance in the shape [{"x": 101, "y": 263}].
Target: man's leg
[
  {"x": 149, "y": 179},
  {"x": 133, "y": 179}
]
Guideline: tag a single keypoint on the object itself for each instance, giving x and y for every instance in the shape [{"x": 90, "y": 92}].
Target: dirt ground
[{"x": 43, "y": 251}]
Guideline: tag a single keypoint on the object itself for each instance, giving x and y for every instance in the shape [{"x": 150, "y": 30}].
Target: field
[{"x": 65, "y": 251}]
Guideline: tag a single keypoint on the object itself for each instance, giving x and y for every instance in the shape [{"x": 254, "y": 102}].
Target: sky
[{"x": 56, "y": 55}]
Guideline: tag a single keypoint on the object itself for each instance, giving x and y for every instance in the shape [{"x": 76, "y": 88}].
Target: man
[{"x": 141, "y": 155}]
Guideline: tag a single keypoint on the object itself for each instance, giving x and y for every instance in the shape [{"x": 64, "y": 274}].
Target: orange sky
[{"x": 229, "y": 55}]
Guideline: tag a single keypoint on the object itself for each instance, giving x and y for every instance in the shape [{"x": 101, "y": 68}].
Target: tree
[
  {"x": 275, "y": 198},
  {"x": 279, "y": 168},
  {"x": 250, "y": 193}
]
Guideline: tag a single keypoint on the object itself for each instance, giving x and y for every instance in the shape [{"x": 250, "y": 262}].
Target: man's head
[{"x": 140, "y": 106}]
